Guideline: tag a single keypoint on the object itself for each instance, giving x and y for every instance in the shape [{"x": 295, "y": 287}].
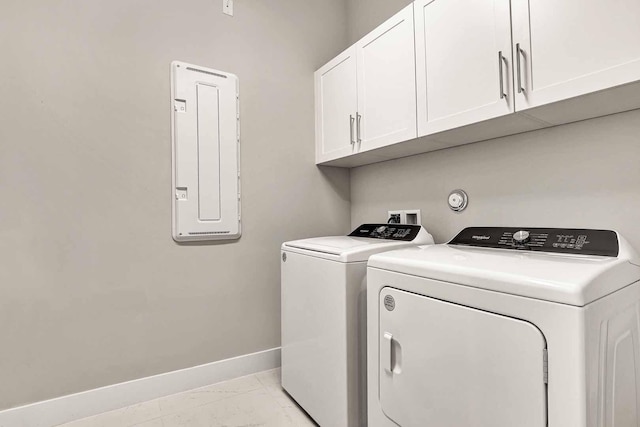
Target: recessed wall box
[
  {"x": 205, "y": 132},
  {"x": 411, "y": 216}
]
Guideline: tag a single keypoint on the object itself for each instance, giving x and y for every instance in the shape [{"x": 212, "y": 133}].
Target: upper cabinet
[
  {"x": 454, "y": 72},
  {"x": 366, "y": 97},
  {"x": 568, "y": 48},
  {"x": 387, "y": 82},
  {"x": 464, "y": 66},
  {"x": 336, "y": 105}
]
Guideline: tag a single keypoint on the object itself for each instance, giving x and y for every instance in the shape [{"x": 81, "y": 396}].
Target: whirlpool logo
[{"x": 480, "y": 237}]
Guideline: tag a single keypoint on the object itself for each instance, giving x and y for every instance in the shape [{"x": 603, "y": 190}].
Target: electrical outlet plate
[
  {"x": 227, "y": 7},
  {"x": 407, "y": 216}
]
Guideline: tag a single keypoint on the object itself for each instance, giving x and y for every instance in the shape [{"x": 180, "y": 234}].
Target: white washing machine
[
  {"x": 505, "y": 327},
  {"x": 323, "y": 318}
]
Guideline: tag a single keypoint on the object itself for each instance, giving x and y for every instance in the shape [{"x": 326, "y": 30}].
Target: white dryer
[
  {"x": 506, "y": 327},
  {"x": 324, "y": 315}
]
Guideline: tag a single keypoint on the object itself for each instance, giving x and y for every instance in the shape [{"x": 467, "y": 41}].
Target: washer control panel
[
  {"x": 404, "y": 232},
  {"x": 560, "y": 240}
]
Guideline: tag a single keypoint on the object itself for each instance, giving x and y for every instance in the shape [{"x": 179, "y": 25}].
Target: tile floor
[{"x": 254, "y": 400}]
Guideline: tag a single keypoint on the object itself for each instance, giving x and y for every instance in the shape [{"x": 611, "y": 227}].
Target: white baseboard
[{"x": 92, "y": 402}]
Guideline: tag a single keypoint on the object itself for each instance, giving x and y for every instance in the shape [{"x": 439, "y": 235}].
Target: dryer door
[{"x": 447, "y": 365}]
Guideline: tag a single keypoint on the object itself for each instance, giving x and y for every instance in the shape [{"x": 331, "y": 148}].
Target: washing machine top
[
  {"x": 361, "y": 243},
  {"x": 568, "y": 266}
]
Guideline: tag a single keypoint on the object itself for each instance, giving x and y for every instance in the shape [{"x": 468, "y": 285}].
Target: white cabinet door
[
  {"x": 336, "y": 105},
  {"x": 387, "y": 83},
  {"x": 447, "y": 365},
  {"x": 573, "y": 47},
  {"x": 463, "y": 54}
]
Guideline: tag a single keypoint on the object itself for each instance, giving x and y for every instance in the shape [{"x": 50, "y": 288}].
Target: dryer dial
[{"x": 521, "y": 237}]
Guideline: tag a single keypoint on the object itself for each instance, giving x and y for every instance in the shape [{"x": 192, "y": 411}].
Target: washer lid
[
  {"x": 334, "y": 245},
  {"x": 557, "y": 277},
  {"x": 356, "y": 249}
]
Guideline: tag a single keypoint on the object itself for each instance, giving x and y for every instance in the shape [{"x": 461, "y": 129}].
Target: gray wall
[
  {"x": 93, "y": 290},
  {"x": 583, "y": 174},
  {"x": 365, "y": 15}
]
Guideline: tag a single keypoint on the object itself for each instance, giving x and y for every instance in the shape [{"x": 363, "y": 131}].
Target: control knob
[{"x": 521, "y": 237}]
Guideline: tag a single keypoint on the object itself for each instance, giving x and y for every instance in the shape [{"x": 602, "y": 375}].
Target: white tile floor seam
[{"x": 254, "y": 400}]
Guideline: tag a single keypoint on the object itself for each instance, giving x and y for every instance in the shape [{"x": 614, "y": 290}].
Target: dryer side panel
[
  {"x": 619, "y": 366},
  {"x": 613, "y": 359},
  {"x": 447, "y": 365}
]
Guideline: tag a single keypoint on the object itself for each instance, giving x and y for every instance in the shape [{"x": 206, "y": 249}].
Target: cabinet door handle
[
  {"x": 518, "y": 67},
  {"x": 501, "y": 60},
  {"x": 351, "y": 120},
  {"x": 359, "y": 118}
]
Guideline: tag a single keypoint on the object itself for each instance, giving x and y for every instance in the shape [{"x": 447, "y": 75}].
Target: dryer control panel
[
  {"x": 559, "y": 240},
  {"x": 404, "y": 232}
]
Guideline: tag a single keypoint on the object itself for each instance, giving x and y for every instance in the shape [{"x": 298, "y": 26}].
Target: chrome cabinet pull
[
  {"x": 501, "y": 60},
  {"x": 351, "y": 120},
  {"x": 359, "y": 118},
  {"x": 518, "y": 53}
]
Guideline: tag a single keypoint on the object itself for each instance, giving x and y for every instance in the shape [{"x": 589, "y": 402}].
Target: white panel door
[
  {"x": 387, "y": 83},
  {"x": 205, "y": 123},
  {"x": 447, "y": 365},
  {"x": 336, "y": 105},
  {"x": 573, "y": 47},
  {"x": 463, "y": 57}
]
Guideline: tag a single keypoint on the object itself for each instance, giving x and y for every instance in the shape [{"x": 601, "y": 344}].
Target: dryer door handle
[{"x": 386, "y": 349}]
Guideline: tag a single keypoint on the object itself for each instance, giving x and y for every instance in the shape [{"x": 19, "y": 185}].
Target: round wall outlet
[{"x": 458, "y": 200}]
